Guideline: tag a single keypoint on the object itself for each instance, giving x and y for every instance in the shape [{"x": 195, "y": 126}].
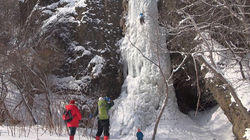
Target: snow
[
  {"x": 208, "y": 125},
  {"x": 98, "y": 62},
  {"x": 52, "y": 6},
  {"x": 69, "y": 82},
  {"x": 247, "y": 134},
  {"x": 215, "y": 122},
  {"x": 209, "y": 75},
  {"x": 79, "y": 48},
  {"x": 37, "y": 133},
  {"x": 232, "y": 99},
  {"x": 49, "y": 12},
  {"x": 63, "y": 14}
]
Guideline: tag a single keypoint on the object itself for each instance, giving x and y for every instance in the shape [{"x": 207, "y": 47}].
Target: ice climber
[
  {"x": 141, "y": 16},
  {"x": 104, "y": 104},
  {"x": 139, "y": 134},
  {"x": 74, "y": 117}
]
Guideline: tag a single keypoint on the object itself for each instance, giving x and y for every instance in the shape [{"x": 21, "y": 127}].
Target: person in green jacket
[{"x": 104, "y": 104}]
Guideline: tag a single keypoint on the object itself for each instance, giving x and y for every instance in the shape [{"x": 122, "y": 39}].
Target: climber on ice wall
[{"x": 141, "y": 16}]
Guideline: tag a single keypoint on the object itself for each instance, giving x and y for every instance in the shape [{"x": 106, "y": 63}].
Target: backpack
[{"x": 67, "y": 116}]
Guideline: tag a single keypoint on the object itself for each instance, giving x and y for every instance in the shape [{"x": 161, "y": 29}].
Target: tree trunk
[{"x": 235, "y": 112}]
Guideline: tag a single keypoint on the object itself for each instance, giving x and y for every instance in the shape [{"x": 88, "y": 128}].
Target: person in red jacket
[{"x": 74, "y": 123}]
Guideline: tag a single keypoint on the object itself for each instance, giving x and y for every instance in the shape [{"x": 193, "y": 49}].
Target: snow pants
[
  {"x": 72, "y": 131},
  {"x": 103, "y": 125}
]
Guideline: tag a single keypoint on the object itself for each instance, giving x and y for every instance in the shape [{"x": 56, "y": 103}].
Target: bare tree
[{"x": 23, "y": 64}]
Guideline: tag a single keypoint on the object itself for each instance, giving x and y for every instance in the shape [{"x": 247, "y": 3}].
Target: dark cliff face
[
  {"x": 67, "y": 49},
  {"x": 98, "y": 33},
  {"x": 77, "y": 40}
]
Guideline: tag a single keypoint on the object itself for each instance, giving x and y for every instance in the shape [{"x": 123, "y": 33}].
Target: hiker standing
[
  {"x": 104, "y": 104},
  {"x": 74, "y": 115},
  {"x": 139, "y": 134}
]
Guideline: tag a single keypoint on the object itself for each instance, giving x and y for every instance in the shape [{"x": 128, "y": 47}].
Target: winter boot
[
  {"x": 71, "y": 137},
  {"x": 106, "y": 137},
  {"x": 97, "y": 138}
]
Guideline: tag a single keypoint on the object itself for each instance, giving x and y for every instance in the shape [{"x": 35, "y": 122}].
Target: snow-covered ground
[
  {"x": 36, "y": 133},
  {"x": 209, "y": 125}
]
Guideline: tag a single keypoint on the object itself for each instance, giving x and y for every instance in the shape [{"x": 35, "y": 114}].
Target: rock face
[{"x": 73, "y": 44}]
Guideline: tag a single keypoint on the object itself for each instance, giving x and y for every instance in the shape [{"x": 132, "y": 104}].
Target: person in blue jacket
[
  {"x": 139, "y": 134},
  {"x": 141, "y": 16}
]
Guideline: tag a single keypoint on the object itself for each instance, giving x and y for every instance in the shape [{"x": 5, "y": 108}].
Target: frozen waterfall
[{"x": 143, "y": 89}]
